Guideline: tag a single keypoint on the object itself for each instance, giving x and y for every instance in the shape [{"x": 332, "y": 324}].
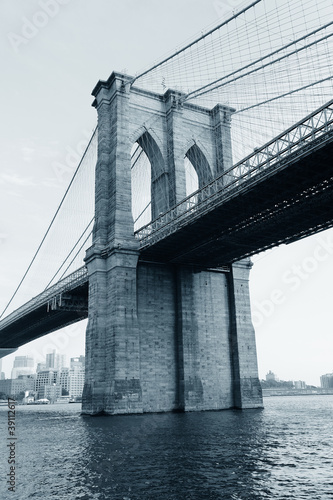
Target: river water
[{"x": 284, "y": 451}]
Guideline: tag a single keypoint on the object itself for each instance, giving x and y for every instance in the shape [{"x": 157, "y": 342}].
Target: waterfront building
[
  {"x": 271, "y": 376},
  {"x": 52, "y": 392},
  {"x": 45, "y": 378},
  {"x": 76, "y": 380},
  {"x": 326, "y": 381},
  {"x": 63, "y": 379},
  {"x": 13, "y": 387},
  {"x": 6, "y": 386},
  {"x": 299, "y": 384}
]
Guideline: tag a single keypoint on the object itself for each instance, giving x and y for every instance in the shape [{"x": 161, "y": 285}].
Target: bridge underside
[
  {"x": 46, "y": 318},
  {"x": 286, "y": 205}
]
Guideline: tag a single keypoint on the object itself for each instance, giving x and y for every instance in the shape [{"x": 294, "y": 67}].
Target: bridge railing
[
  {"x": 316, "y": 126},
  {"x": 73, "y": 280}
]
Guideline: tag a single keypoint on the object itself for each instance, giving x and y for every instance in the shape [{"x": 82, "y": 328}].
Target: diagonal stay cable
[
  {"x": 50, "y": 225},
  {"x": 237, "y": 14},
  {"x": 70, "y": 253},
  {"x": 77, "y": 253},
  {"x": 219, "y": 82},
  {"x": 284, "y": 95}
]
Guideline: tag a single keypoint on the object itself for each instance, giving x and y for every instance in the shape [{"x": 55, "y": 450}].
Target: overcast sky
[{"x": 52, "y": 55}]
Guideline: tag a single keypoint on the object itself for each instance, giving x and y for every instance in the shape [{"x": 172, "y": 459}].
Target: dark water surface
[{"x": 282, "y": 452}]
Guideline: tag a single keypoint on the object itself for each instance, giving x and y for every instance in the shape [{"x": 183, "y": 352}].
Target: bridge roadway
[
  {"x": 64, "y": 303},
  {"x": 281, "y": 193}
]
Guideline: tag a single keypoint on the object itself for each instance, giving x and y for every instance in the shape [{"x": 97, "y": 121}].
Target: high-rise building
[
  {"x": 55, "y": 361},
  {"x": 78, "y": 361},
  {"x": 63, "y": 379},
  {"x": 41, "y": 367},
  {"x": 45, "y": 380},
  {"x": 23, "y": 365},
  {"x": 326, "y": 381},
  {"x": 76, "y": 380}
]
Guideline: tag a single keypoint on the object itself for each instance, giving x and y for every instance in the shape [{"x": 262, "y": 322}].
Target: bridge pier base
[{"x": 171, "y": 338}]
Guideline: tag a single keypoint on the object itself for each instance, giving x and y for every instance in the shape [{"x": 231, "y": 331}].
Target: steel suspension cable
[
  {"x": 204, "y": 90},
  {"x": 195, "y": 41},
  {"x": 50, "y": 225}
]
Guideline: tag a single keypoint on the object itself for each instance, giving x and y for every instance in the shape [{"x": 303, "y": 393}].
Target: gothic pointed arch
[
  {"x": 200, "y": 164},
  {"x": 152, "y": 177}
]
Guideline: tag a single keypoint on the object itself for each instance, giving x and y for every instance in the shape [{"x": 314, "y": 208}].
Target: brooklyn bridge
[{"x": 214, "y": 154}]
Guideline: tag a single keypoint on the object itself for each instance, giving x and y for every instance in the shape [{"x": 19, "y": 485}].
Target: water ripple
[{"x": 281, "y": 452}]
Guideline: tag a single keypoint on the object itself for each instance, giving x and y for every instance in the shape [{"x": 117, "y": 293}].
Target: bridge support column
[
  {"x": 112, "y": 340},
  {"x": 203, "y": 333},
  {"x": 247, "y": 388},
  {"x": 217, "y": 352}
]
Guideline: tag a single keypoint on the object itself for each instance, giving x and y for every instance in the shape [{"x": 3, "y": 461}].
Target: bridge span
[{"x": 280, "y": 193}]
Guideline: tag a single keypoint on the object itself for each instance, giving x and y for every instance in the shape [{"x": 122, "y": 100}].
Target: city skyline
[
  {"x": 56, "y": 363},
  {"x": 48, "y": 366},
  {"x": 49, "y": 381}
]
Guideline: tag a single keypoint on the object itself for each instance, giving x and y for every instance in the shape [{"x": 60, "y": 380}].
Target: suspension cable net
[
  {"x": 271, "y": 61},
  {"x": 63, "y": 246}
]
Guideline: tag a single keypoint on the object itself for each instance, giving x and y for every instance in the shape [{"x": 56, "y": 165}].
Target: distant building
[
  {"x": 76, "y": 380},
  {"x": 78, "y": 361},
  {"x": 23, "y": 365},
  {"x": 6, "y": 386},
  {"x": 55, "y": 361},
  {"x": 13, "y": 387},
  {"x": 300, "y": 384},
  {"x": 41, "y": 367},
  {"x": 271, "y": 376},
  {"x": 63, "y": 379},
  {"x": 52, "y": 392},
  {"x": 45, "y": 380},
  {"x": 326, "y": 381}
]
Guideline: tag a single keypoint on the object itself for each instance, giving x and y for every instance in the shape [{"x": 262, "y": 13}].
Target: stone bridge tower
[{"x": 161, "y": 337}]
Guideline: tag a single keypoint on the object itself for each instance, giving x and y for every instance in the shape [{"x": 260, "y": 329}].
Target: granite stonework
[{"x": 161, "y": 337}]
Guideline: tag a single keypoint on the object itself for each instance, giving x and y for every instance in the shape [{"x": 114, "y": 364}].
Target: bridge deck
[
  {"x": 288, "y": 202},
  {"x": 280, "y": 193},
  {"x": 60, "y": 305}
]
